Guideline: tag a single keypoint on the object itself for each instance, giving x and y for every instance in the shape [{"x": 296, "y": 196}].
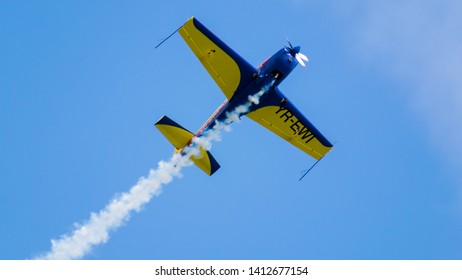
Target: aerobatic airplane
[{"x": 239, "y": 80}]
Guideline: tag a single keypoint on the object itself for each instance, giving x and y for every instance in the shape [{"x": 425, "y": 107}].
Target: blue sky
[{"x": 81, "y": 87}]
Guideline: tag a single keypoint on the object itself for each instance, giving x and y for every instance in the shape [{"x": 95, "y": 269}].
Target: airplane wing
[
  {"x": 280, "y": 116},
  {"x": 229, "y": 70}
]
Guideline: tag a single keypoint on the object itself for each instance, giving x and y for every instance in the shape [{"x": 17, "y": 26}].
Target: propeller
[{"x": 295, "y": 51}]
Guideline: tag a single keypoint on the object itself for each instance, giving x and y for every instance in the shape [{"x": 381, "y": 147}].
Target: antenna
[
  {"x": 307, "y": 171},
  {"x": 158, "y": 45}
]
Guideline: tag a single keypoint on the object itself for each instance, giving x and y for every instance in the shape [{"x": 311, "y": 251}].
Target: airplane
[{"x": 239, "y": 80}]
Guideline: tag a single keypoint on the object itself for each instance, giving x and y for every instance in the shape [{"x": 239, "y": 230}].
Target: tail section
[
  {"x": 175, "y": 133},
  {"x": 180, "y": 137}
]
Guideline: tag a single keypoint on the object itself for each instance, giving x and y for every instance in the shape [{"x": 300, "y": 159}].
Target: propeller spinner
[{"x": 295, "y": 51}]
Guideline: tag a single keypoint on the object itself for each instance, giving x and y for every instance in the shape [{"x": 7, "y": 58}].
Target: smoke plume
[{"x": 96, "y": 230}]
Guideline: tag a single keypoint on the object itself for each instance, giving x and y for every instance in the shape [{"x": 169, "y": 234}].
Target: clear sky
[{"x": 81, "y": 87}]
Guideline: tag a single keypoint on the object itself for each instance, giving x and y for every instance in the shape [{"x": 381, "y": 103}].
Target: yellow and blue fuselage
[{"x": 239, "y": 80}]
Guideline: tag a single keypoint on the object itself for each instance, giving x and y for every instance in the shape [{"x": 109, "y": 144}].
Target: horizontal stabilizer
[
  {"x": 175, "y": 133},
  {"x": 206, "y": 162},
  {"x": 181, "y": 137}
]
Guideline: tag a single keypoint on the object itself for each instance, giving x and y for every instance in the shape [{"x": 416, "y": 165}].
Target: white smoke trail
[{"x": 96, "y": 230}]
